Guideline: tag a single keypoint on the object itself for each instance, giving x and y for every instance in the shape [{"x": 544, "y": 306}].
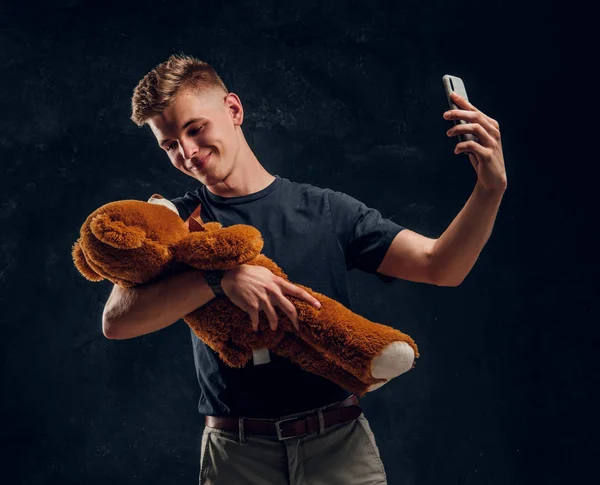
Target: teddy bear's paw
[
  {"x": 223, "y": 248},
  {"x": 377, "y": 385},
  {"x": 395, "y": 359}
]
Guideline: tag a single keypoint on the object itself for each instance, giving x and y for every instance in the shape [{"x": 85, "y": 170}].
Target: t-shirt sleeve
[{"x": 363, "y": 234}]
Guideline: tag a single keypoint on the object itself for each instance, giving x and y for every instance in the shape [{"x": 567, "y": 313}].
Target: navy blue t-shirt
[{"x": 315, "y": 235}]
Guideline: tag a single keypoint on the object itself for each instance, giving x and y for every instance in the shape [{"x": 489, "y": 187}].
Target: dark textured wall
[{"x": 346, "y": 95}]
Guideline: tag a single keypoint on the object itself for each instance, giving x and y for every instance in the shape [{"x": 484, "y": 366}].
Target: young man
[{"x": 271, "y": 422}]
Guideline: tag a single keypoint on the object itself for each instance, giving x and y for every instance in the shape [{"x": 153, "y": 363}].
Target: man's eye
[
  {"x": 192, "y": 132},
  {"x": 195, "y": 130}
]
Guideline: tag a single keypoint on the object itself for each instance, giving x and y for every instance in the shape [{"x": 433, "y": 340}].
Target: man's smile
[{"x": 200, "y": 163}]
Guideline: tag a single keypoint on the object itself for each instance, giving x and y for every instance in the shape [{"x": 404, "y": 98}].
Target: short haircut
[{"x": 157, "y": 89}]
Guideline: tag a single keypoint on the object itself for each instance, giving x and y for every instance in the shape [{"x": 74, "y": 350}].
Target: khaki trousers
[{"x": 342, "y": 454}]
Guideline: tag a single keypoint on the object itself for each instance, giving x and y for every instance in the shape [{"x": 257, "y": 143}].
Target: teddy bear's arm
[{"x": 223, "y": 248}]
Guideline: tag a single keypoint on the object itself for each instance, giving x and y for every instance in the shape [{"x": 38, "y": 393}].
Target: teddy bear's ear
[
  {"x": 115, "y": 233},
  {"x": 81, "y": 263}
]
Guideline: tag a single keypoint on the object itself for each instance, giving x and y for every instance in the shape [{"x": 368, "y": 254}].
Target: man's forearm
[
  {"x": 457, "y": 249},
  {"x": 130, "y": 312}
]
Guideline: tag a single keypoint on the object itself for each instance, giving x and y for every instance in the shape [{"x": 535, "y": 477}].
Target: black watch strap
[{"x": 213, "y": 278}]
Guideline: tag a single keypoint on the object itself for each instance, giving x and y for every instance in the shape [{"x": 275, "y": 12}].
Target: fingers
[
  {"x": 285, "y": 287},
  {"x": 253, "y": 312},
  {"x": 268, "y": 294},
  {"x": 473, "y": 117},
  {"x": 267, "y": 307},
  {"x": 473, "y": 147},
  {"x": 290, "y": 310},
  {"x": 475, "y": 129},
  {"x": 287, "y": 306},
  {"x": 460, "y": 101},
  {"x": 470, "y": 106},
  {"x": 291, "y": 289},
  {"x": 472, "y": 114}
]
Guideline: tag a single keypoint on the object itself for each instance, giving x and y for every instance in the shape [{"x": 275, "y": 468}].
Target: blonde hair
[{"x": 157, "y": 89}]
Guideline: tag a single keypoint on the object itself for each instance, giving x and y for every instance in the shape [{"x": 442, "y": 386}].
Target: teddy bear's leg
[
  {"x": 396, "y": 358},
  {"x": 364, "y": 348},
  {"x": 391, "y": 360},
  {"x": 311, "y": 360}
]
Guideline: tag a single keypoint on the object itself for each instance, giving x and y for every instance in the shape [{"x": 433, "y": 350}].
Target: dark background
[{"x": 346, "y": 95}]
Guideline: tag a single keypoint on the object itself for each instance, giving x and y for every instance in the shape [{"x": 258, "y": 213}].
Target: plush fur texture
[{"x": 131, "y": 242}]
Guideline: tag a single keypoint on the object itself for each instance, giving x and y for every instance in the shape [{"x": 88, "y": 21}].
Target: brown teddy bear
[{"x": 131, "y": 242}]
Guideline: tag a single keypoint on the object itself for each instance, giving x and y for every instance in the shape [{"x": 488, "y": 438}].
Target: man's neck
[
  {"x": 247, "y": 177},
  {"x": 227, "y": 188}
]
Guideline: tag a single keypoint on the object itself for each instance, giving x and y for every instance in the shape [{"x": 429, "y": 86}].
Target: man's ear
[{"x": 82, "y": 265}]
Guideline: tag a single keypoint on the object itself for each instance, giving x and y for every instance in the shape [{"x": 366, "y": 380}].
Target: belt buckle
[{"x": 278, "y": 427}]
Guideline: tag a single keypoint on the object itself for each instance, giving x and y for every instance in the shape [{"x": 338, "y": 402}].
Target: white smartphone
[{"x": 456, "y": 84}]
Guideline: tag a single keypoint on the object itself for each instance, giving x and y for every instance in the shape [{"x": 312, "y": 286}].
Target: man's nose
[{"x": 188, "y": 149}]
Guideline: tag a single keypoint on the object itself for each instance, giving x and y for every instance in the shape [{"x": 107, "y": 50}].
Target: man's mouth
[{"x": 201, "y": 163}]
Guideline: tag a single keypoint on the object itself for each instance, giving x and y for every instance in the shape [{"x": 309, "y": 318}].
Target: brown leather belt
[{"x": 295, "y": 427}]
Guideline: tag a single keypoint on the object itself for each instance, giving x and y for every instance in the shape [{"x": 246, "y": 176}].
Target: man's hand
[
  {"x": 486, "y": 155},
  {"x": 254, "y": 288}
]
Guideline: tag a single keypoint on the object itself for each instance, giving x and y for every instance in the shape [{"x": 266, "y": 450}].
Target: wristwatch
[{"x": 213, "y": 278}]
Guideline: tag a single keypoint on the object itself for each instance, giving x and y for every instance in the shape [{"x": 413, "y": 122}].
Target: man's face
[{"x": 213, "y": 134}]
